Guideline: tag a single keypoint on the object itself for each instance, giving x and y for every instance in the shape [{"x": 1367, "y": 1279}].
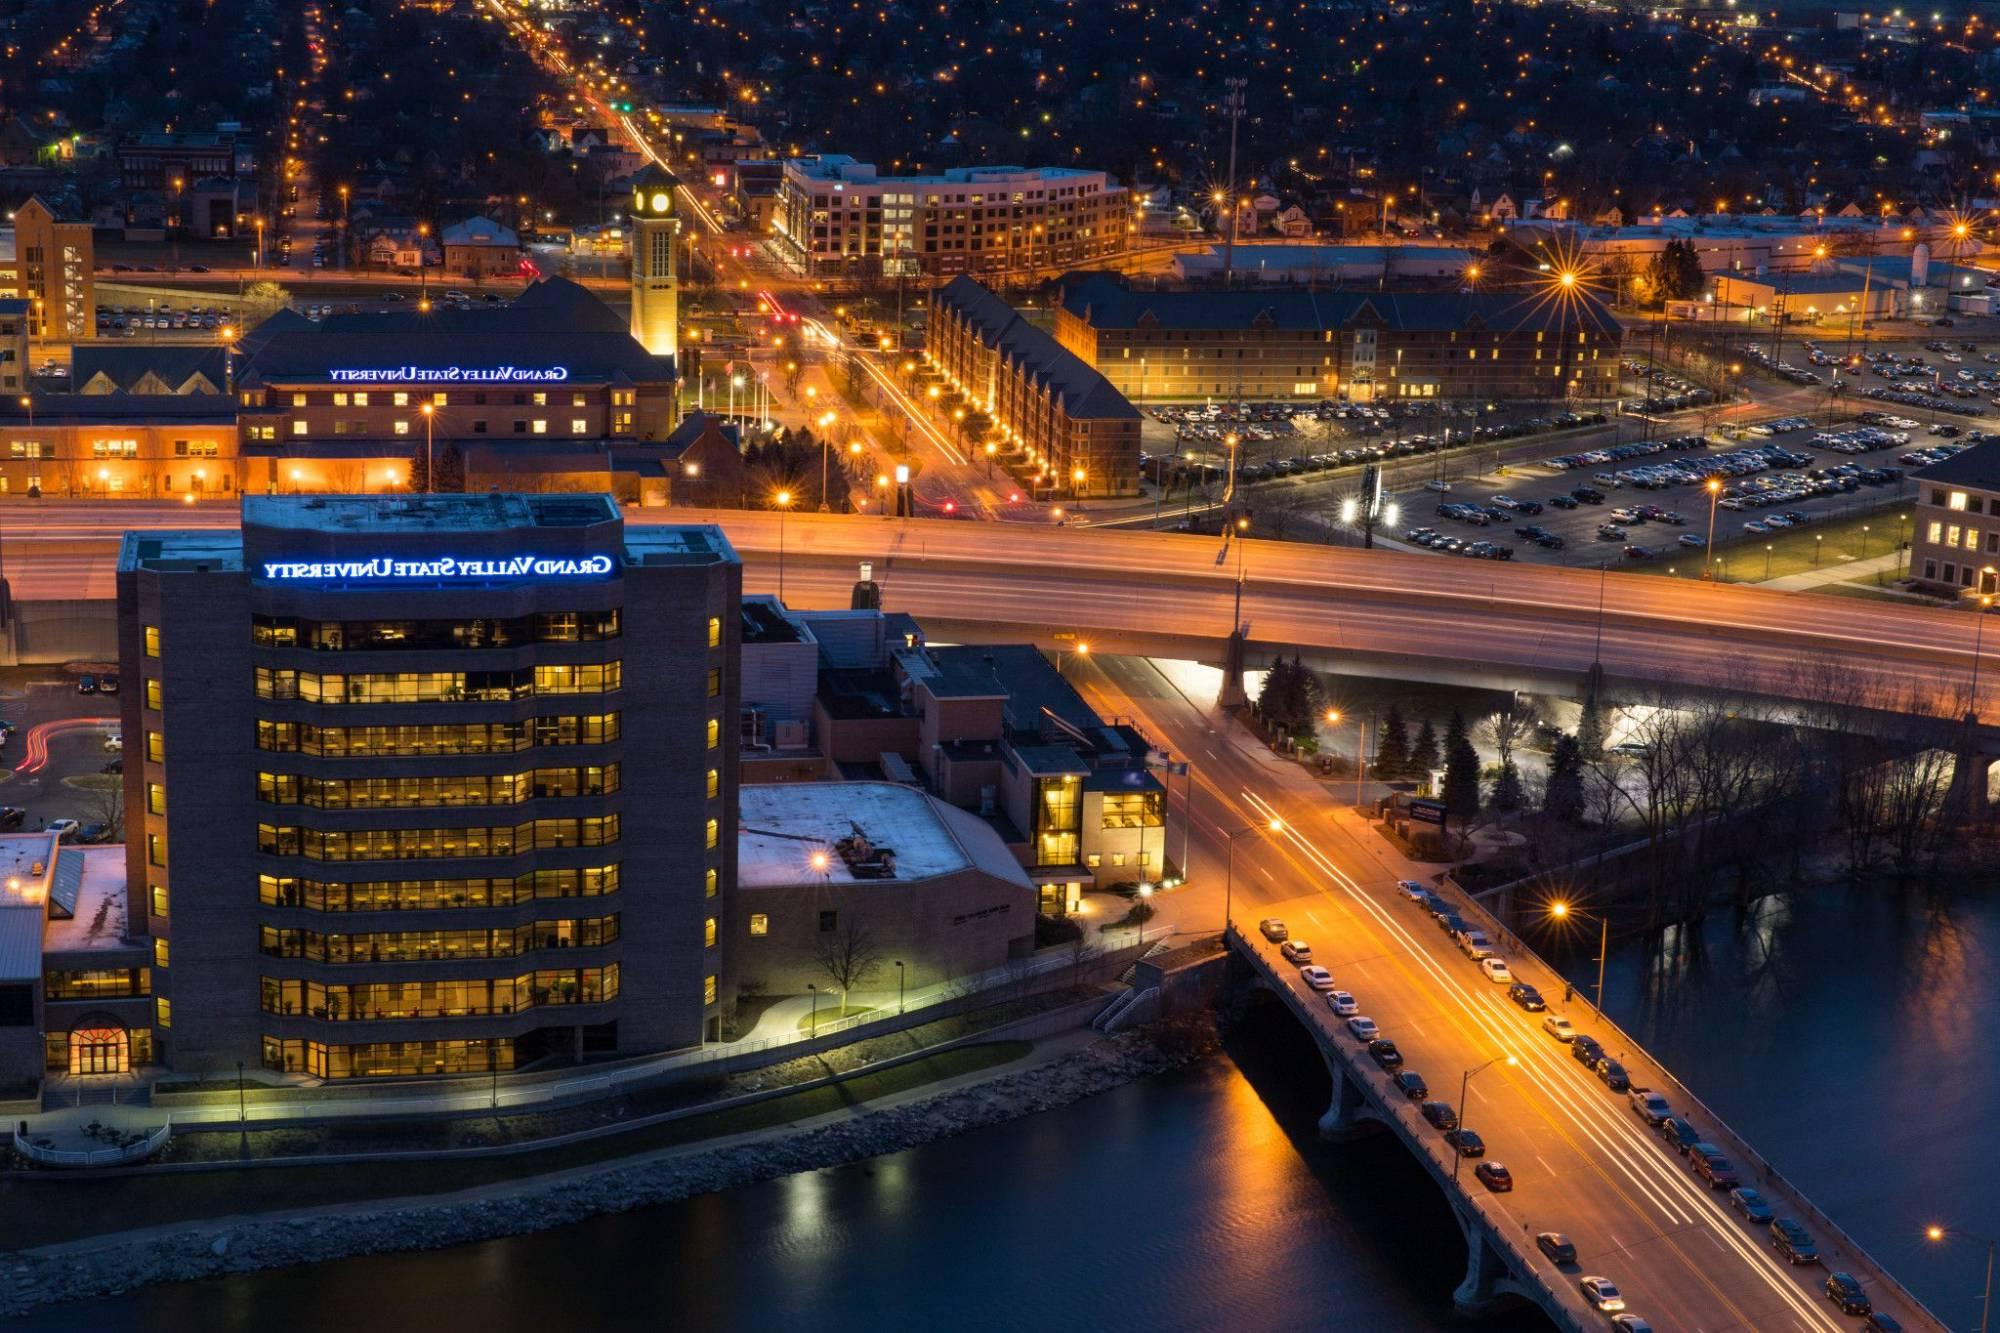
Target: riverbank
[{"x": 119, "y": 1262}]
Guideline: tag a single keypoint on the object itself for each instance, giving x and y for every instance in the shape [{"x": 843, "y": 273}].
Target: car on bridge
[
  {"x": 1845, "y": 1291},
  {"x": 1342, "y": 1003},
  {"x": 1384, "y": 1053},
  {"x": 1630, "y": 1323},
  {"x": 1296, "y": 951},
  {"x": 1440, "y": 1115},
  {"x": 1878, "y": 1322},
  {"x": 1495, "y": 1177},
  {"x": 1361, "y": 1029},
  {"x": 1602, "y": 1293},
  {"x": 1586, "y": 1051},
  {"x": 1794, "y": 1242},
  {"x": 1559, "y": 1027},
  {"x": 1613, "y": 1074},
  {"x": 1751, "y": 1204},
  {"x": 1527, "y": 997},
  {"x": 1411, "y": 1084},
  {"x": 1496, "y": 970},
  {"x": 1273, "y": 930},
  {"x": 1707, "y": 1161},
  {"x": 1316, "y": 977},
  {"x": 1474, "y": 944},
  {"x": 1650, "y": 1106},
  {"x": 1466, "y": 1141},
  {"x": 1414, "y": 890},
  {"x": 1557, "y": 1246},
  {"x": 1680, "y": 1134}
]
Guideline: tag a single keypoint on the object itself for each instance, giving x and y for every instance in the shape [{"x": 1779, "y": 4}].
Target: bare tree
[
  {"x": 849, "y": 957},
  {"x": 1084, "y": 951},
  {"x": 1506, "y": 729},
  {"x": 107, "y": 803}
]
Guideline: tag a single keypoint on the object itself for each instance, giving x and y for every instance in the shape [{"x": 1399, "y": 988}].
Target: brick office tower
[{"x": 430, "y": 784}]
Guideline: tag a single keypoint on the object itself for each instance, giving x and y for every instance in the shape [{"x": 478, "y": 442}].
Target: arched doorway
[{"x": 99, "y": 1049}]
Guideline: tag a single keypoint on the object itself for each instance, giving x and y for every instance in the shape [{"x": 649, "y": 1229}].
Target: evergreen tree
[
  {"x": 450, "y": 469},
  {"x": 1507, "y": 788},
  {"x": 1392, "y": 750},
  {"x": 1291, "y": 698},
  {"x": 1461, "y": 771},
  {"x": 1590, "y": 730},
  {"x": 1424, "y": 756},
  {"x": 1564, "y": 798}
]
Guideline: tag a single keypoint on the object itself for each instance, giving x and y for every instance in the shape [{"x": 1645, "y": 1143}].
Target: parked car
[
  {"x": 1613, "y": 1075},
  {"x": 62, "y": 828},
  {"x": 107, "y": 684},
  {"x": 1440, "y": 1115},
  {"x": 1847, "y": 1291},
  {"x": 1296, "y": 951},
  {"x": 114, "y": 743},
  {"x": 1559, "y": 1027},
  {"x": 1411, "y": 1084},
  {"x": 93, "y": 834},
  {"x": 1466, "y": 1141},
  {"x": 12, "y": 816},
  {"x": 1680, "y": 1134},
  {"x": 1586, "y": 1052},
  {"x": 1414, "y": 890},
  {"x": 1361, "y": 1029},
  {"x": 86, "y": 684},
  {"x": 1273, "y": 929},
  {"x": 1342, "y": 1003},
  {"x": 1557, "y": 1246},
  {"x": 1708, "y": 1161},
  {"x": 1528, "y": 998},
  {"x": 1384, "y": 1053},
  {"x": 1878, "y": 1322},
  {"x": 1316, "y": 977},
  {"x": 1751, "y": 1205},
  {"x": 1474, "y": 944},
  {"x": 1602, "y": 1293},
  {"x": 1650, "y": 1106},
  {"x": 1495, "y": 1177},
  {"x": 1794, "y": 1242},
  {"x": 1496, "y": 970}
]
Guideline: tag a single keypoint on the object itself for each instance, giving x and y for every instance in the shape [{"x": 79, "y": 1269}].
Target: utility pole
[{"x": 1233, "y": 104}]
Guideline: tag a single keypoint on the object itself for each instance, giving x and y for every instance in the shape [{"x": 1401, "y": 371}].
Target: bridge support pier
[
  {"x": 1488, "y": 1285},
  {"x": 1970, "y": 774},
  {"x": 1349, "y": 1116},
  {"x": 1233, "y": 695}
]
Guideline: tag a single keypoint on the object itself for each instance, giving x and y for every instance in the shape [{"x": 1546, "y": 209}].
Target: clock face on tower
[{"x": 660, "y": 202}]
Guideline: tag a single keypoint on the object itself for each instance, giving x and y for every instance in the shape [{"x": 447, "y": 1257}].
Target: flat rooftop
[
  {"x": 97, "y": 917},
  {"x": 425, "y": 513},
  {"x": 782, "y": 828},
  {"x": 27, "y": 866}
]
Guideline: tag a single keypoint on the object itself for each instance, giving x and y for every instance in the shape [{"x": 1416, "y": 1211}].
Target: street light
[
  {"x": 1082, "y": 649},
  {"x": 430, "y": 470},
  {"x": 1360, "y": 749},
  {"x": 1145, "y": 909},
  {"x": 1457, "y": 1157},
  {"x": 1229, "y": 862},
  {"x": 1978, "y": 633},
  {"x": 783, "y": 499},
  {"x": 1938, "y": 1235},
  {"x": 1562, "y": 911},
  {"x": 1714, "y": 488}
]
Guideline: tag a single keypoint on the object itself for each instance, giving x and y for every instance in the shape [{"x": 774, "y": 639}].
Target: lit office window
[
  {"x": 708, "y": 933},
  {"x": 760, "y": 924}
]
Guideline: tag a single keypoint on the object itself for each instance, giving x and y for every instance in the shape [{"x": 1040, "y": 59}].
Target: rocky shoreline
[{"x": 106, "y": 1267}]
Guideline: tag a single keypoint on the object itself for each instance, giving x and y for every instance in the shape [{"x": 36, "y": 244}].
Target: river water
[{"x": 1842, "y": 1034}]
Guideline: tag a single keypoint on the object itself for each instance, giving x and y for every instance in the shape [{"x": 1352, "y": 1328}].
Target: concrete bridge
[{"x": 1584, "y": 1163}]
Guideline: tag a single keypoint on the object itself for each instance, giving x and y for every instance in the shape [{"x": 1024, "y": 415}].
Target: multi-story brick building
[
  {"x": 1955, "y": 542},
  {"x": 837, "y": 218},
  {"x": 429, "y": 784},
  {"x": 1074, "y": 432},
  {"x": 1358, "y": 345}
]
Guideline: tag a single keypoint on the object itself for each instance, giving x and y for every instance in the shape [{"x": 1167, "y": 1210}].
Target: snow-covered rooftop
[
  {"x": 781, "y": 828},
  {"x": 99, "y": 920}
]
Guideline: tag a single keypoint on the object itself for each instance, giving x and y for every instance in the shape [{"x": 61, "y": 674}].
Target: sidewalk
[{"x": 1842, "y": 572}]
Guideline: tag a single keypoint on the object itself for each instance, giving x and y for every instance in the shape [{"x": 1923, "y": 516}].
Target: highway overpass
[{"x": 1418, "y": 617}]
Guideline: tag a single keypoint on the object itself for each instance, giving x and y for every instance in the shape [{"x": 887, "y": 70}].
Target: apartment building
[{"x": 838, "y": 218}]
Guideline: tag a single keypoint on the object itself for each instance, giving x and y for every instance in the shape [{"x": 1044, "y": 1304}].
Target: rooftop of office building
[
  {"x": 805, "y": 833},
  {"x": 425, "y": 513}
]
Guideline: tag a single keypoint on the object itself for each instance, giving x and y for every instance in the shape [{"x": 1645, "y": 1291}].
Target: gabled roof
[
  {"x": 568, "y": 305},
  {"x": 155, "y": 369},
  {"x": 1033, "y": 353}
]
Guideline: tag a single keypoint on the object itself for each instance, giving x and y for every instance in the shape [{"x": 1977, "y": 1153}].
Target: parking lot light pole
[
  {"x": 1714, "y": 488},
  {"x": 1562, "y": 911},
  {"x": 1938, "y": 1234},
  {"x": 1229, "y": 862}
]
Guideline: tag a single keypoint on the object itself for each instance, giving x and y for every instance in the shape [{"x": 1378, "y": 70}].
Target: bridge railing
[{"x": 1682, "y": 1093}]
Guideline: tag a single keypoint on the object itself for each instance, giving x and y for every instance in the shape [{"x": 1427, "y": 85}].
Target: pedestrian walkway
[{"x": 1843, "y": 572}]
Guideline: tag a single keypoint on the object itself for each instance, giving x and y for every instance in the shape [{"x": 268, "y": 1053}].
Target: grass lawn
[
  {"x": 1822, "y": 544},
  {"x": 46, "y": 1208},
  {"x": 95, "y": 782},
  {"x": 829, "y": 1012}
]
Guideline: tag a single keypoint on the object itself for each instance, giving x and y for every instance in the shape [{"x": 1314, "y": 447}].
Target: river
[{"x": 1839, "y": 1032}]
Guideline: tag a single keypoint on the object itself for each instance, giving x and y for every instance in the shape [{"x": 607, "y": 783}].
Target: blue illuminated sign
[
  {"x": 384, "y": 569},
  {"x": 451, "y": 375}
]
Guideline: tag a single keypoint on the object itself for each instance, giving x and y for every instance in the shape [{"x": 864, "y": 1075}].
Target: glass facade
[
  {"x": 412, "y": 844},
  {"x": 109, "y": 983},
  {"x": 395, "y": 1000},
  {"x": 416, "y": 792},
  {"x": 421, "y": 895},
  {"x": 383, "y": 1059},
  {"x": 353, "y": 635},
  {"x": 428, "y": 687},
  {"x": 405, "y": 946},
  {"x": 436, "y": 738}
]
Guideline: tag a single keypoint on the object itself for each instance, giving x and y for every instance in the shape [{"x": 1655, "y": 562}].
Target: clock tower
[{"x": 655, "y": 287}]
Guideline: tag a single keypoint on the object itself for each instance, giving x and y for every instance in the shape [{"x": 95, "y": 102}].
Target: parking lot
[
  {"x": 56, "y": 752},
  {"x": 1648, "y": 501}
]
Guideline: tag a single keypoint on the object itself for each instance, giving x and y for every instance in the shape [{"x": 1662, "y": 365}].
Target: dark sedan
[
  {"x": 1613, "y": 1075},
  {"x": 1412, "y": 1085},
  {"x": 1557, "y": 1246},
  {"x": 1679, "y": 1134},
  {"x": 1844, "y": 1290},
  {"x": 1384, "y": 1053},
  {"x": 1586, "y": 1051},
  {"x": 1527, "y": 997},
  {"x": 1494, "y": 1176},
  {"x": 1467, "y": 1141},
  {"x": 1440, "y": 1115}
]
